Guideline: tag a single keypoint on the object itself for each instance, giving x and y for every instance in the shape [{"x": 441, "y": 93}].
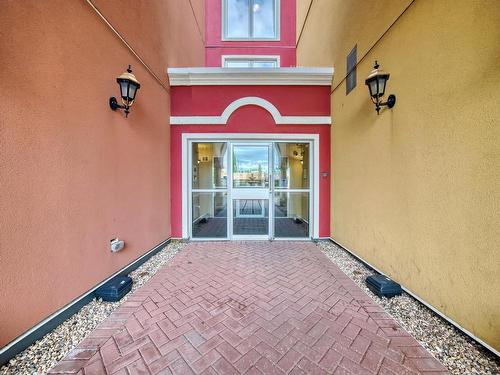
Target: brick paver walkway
[{"x": 249, "y": 308}]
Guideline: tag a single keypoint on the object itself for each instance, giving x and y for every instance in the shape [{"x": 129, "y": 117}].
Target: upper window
[
  {"x": 250, "y": 19},
  {"x": 250, "y": 61}
]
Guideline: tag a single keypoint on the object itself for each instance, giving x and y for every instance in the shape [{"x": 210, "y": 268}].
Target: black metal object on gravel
[
  {"x": 382, "y": 286},
  {"x": 114, "y": 289}
]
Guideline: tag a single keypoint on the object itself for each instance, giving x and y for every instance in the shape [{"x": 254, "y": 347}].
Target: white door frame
[{"x": 224, "y": 137}]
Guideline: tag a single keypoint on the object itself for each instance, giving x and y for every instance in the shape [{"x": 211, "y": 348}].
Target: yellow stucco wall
[{"x": 416, "y": 190}]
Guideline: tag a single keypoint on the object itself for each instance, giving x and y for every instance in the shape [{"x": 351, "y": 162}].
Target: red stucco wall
[
  {"x": 74, "y": 174},
  {"x": 212, "y": 100}
]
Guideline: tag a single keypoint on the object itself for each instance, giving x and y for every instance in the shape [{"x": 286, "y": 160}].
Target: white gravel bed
[
  {"x": 458, "y": 352},
  {"x": 54, "y": 346}
]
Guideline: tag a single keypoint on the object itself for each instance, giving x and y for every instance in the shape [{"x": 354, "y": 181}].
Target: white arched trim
[{"x": 250, "y": 100}]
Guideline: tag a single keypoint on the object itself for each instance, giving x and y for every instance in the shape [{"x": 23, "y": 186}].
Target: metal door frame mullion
[
  {"x": 230, "y": 217},
  {"x": 271, "y": 190}
]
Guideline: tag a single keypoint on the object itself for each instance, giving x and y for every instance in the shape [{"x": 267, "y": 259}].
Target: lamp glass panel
[
  {"x": 381, "y": 85},
  {"x": 132, "y": 90},
  {"x": 123, "y": 89},
  {"x": 373, "y": 88}
]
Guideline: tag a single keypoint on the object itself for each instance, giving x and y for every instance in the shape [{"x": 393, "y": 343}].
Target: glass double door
[{"x": 250, "y": 190}]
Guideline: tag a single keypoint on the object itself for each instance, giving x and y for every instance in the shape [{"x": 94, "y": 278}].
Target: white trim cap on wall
[{"x": 250, "y": 76}]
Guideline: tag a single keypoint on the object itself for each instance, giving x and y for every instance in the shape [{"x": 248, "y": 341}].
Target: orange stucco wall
[{"x": 74, "y": 174}]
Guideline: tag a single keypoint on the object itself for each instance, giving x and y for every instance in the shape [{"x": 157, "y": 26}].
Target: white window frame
[
  {"x": 186, "y": 172},
  {"x": 250, "y": 58},
  {"x": 276, "y": 23}
]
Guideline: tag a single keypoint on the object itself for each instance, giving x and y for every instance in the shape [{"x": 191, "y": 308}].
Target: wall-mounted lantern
[
  {"x": 128, "y": 89},
  {"x": 376, "y": 83}
]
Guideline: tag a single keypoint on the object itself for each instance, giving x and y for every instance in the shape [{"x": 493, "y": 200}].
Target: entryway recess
[{"x": 250, "y": 188}]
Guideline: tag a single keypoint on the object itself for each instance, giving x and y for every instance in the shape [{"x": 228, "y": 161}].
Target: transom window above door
[
  {"x": 249, "y": 61},
  {"x": 250, "y": 19}
]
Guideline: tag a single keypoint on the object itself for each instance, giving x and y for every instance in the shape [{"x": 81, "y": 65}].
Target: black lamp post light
[
  {"x": 128, "y": 89},
  {"x": 376, "y": 83}
]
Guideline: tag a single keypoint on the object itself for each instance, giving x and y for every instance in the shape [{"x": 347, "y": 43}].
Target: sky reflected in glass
[
  {"x": 250, "y": 19},
  {"x": 263, "y": 19},
  {"x": 249, "y": 158},
  {"x": 238, "y": 19}
]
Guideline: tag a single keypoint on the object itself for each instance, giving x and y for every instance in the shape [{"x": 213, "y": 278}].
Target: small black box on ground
[
  {"x": 114, "y": 289},
  {"x": 382, "y": 286}
]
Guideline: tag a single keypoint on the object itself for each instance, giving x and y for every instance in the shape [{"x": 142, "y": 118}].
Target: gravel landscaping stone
[
  {"x": 455, "y": 350},
  {"x": 50, "y": 349}
]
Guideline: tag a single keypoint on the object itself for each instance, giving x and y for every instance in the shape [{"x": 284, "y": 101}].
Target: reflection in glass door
[
  {"x": 209, "y": 190},
  {"x": 291, "y": 193},
  {"x": 250, "y": 190}
]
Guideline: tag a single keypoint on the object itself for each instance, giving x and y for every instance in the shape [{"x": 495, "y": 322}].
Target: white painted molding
[
  {"x": 250, "y": 76},
  {"x": 250, "y": 100}
]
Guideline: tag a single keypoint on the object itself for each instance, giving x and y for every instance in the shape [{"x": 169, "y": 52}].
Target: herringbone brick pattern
[{"x": 249, "y": 308}]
